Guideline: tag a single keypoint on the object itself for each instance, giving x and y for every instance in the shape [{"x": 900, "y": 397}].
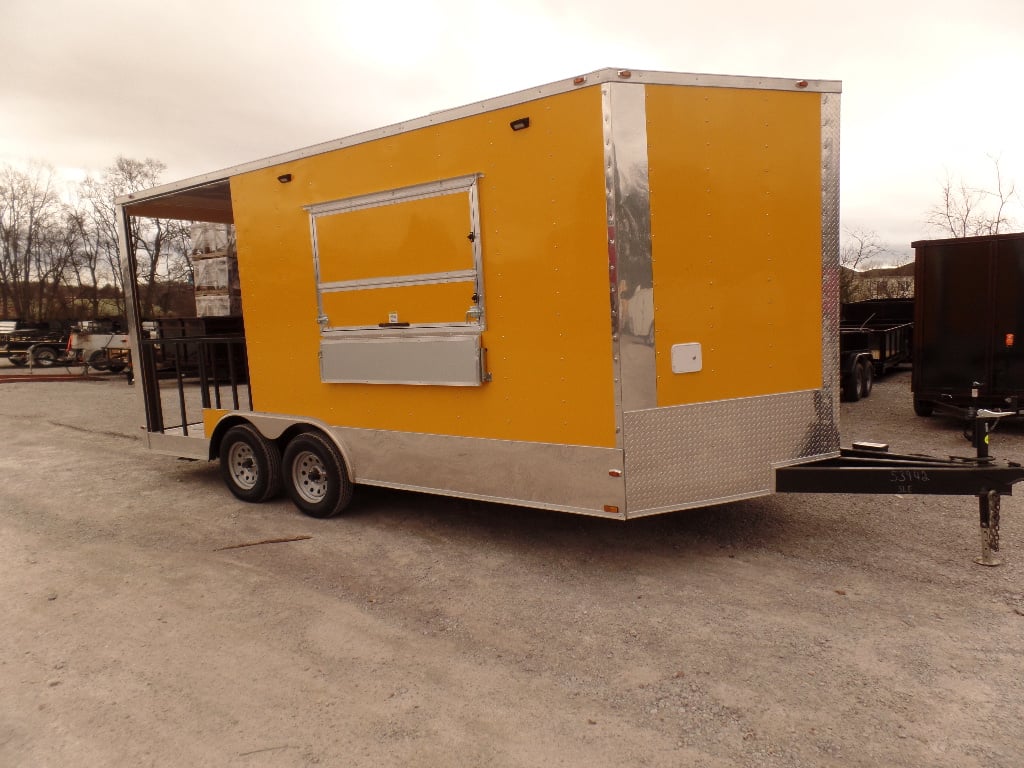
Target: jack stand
[{"x": 988, "y": 507}]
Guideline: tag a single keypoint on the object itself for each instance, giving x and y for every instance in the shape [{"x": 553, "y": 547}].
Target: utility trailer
[
  {"x": 888, "y": 328},
  {"x": 41, "y": 344},
  {"x": 969, "y": 325},
  {"x": 101, "y": 345},
  {"x": 875, "y": 337},
  {"x": 544, "y": 299}
]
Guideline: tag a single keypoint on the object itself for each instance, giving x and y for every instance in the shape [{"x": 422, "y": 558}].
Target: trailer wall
[
  {"x": 969, "y": 320},
  {"x": 544, "y": 274}
]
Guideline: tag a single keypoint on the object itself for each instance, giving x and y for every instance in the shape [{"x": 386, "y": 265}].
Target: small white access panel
[{"x": 686, "y": 358}]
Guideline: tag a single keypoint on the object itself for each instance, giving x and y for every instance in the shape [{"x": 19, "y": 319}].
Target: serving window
[
  {"x": 401, "y": 259},
  {"x": 399, "y": 289}
]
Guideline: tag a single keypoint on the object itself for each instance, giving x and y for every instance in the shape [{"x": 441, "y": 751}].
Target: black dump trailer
[
  {"x": 969, "y": 325},
  {"x": 875, "y": 336}
]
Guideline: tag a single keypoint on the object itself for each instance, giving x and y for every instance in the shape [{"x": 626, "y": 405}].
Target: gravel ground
[{"x": 419, "y": 631}]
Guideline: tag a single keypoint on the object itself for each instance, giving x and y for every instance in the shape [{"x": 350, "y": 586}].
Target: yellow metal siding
[
  {"x": 545, "y": 276},
  {"x": 735, "y": 181}
]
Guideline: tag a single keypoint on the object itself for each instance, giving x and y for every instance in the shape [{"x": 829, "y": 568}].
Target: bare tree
[
  {"x": 30, "y": 241},
  {"x": 968, "y": 211},
  {"x": 861, "y": 249},
  {"x": 161, "y": 245},
  {"x": 85, "y": 270}
]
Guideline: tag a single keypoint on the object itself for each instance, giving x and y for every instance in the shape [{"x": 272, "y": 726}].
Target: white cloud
[{"x": 928, "y": 85}]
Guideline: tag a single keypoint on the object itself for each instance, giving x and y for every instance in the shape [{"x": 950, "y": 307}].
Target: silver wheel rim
[
  {"x": 309, "y": 477},
  {"x": 242, "y": 461}
]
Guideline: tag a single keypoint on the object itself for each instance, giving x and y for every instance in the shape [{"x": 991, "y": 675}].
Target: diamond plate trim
[
  {"x": 707, "y": 453},
  {"x": 830, "y": 249}
]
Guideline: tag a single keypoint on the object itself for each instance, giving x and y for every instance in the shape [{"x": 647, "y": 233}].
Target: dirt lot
[{"x": 418, "y": 631}]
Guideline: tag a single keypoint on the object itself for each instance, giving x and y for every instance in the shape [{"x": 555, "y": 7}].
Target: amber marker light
[
  {"x": 611, "y": 508},
  {"x": 579, "y": 80},
  {"x": 801, "y": 84},
  {"x": 1009, "y": 340}
]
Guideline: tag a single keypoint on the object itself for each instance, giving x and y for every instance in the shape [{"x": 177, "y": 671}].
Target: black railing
[{"x": 217, "y": 365}]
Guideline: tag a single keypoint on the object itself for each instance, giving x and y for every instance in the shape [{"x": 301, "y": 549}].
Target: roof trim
[{"x": 598, "y": 77}]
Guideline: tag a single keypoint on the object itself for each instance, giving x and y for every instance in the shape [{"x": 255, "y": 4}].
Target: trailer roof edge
[
  {"x": 968, "y": 240},
  {"x": 597, "y": 77}
]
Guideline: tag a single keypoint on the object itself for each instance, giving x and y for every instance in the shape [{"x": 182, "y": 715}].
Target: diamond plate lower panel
[{"x": 707, "y": 453}]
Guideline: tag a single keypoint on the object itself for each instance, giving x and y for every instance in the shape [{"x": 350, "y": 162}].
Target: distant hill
[
  {"x": 907, "y": 270},
  {"x": 880, "y": 283}
]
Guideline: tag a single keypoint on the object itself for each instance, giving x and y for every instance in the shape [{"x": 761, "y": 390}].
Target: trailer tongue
[{"x": 870, "y": 468}]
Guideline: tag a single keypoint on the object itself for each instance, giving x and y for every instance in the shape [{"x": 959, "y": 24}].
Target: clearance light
[
  {"x": 801, "y": 84},
  {"x": 611, "y": 508},
  {"x": 1009, "y": 340},
  {"x": 579, "y": 80},
  {"x": 625, "y": 74}
]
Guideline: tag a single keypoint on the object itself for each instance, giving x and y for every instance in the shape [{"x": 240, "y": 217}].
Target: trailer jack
[{"x": 870, "y": 468}]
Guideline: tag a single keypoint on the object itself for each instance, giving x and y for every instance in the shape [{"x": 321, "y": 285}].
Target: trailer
[
  {"x": 614, "y": 295},
  {"x": 888, "y": 328},
  {"x": 875, "y": 337},
  {"x": 969, "y": 318},
  {"x": 541, "y": 299},
  {"x": 39, "y": 344},
  {"x": 100, "y": 345}
]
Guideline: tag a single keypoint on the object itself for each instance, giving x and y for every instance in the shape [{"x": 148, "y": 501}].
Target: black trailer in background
[
  {"x": 969, "y": 324},
  {"x": 875, "y": 336}
]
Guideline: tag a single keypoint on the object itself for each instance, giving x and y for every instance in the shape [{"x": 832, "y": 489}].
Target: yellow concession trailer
[{"x": 613, "y": 295}]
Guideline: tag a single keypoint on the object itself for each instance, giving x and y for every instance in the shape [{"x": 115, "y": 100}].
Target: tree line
[
  {"x": 59, "y": 253},
  {"x": 60, "y": 260},
  {"x": 962, "y": 210}
]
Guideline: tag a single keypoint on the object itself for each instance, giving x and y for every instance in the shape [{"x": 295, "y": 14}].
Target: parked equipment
[
  {"x": 42, "y": 344},
  {"x": 969, "y": 325},
  {"x": 507, "y": 301},
  {"x": 876, "y": 336},
  {"x": 100, "y": 346},
  {"x": 545, "y": 299}
]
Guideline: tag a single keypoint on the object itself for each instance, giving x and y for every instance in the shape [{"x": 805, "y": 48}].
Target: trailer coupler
[{"x": 870, "y": 468}]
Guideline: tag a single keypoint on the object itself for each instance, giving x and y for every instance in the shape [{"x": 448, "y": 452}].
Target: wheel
[
  {"x": 316, "y": 476},
  {"x": 99, "y": 360},
  {"x": 924, "y": 407},
  {"x": 116, "y": 366},
  {"x": 867, "y": 377},
  {"x": 45, "y": 356},
  {"x": 250, "y": 464},
  {"x": 19, "y": 360},
  {"x": 851, "y": 386}
]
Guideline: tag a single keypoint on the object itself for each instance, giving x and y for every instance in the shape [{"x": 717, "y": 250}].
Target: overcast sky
[{"x": 929, "y": 86}]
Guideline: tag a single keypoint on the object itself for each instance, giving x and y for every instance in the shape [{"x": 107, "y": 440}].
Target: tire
[
  {"x": 19, "y": 360},
  {"x": 851, "y": 386},
  {"x": 924, "y": 408},
  {"x": 116, "y": 366},
  {"x": 315, "y": 475},
  {"x": 867, "y": 378},
  {"x": 99, "y": 360},
  {"x": 250, "y": 464},
  {"x": 45, "y": 357}
]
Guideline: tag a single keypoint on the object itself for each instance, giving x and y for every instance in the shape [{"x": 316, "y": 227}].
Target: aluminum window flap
[{"x": 455, "y": 360}]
